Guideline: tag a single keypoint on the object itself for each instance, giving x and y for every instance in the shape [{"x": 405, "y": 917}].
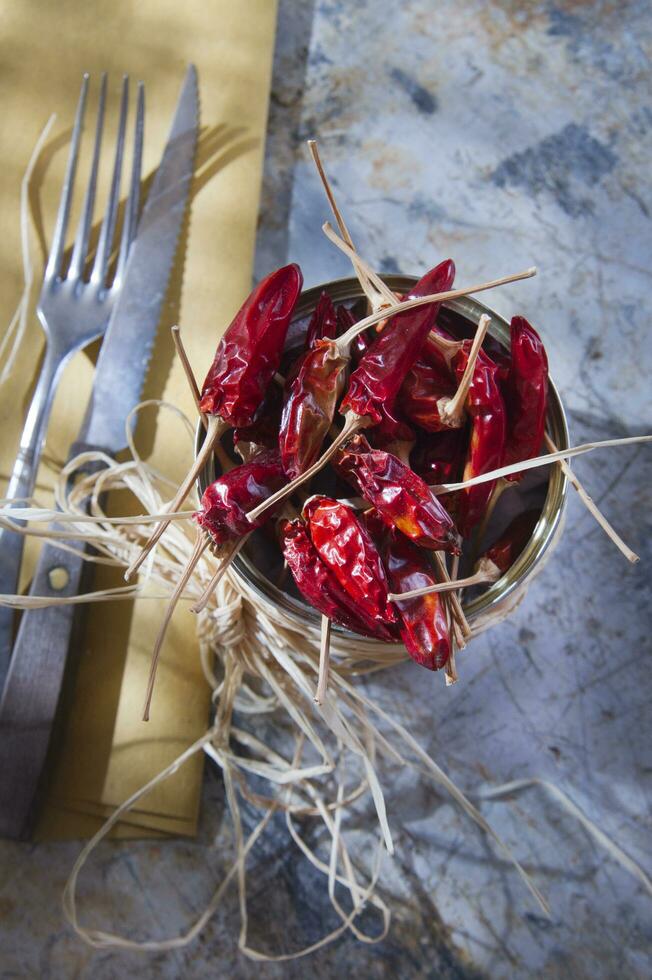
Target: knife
[{"x": 33, "y": 686}]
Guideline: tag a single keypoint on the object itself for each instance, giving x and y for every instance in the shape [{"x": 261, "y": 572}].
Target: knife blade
[{"x": 33, "y": 686}]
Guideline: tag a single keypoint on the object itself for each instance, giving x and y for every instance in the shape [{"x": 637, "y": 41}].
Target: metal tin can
[{"x": 499, "y": 598}]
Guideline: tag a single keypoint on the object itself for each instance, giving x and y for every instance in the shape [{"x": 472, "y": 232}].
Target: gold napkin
[{"x": 106, "y": 751}]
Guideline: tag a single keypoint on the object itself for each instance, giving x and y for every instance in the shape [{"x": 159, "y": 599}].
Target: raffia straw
[
  {"x": 454, "y": 584},
  {"x": 324, "y": 660},
  {"x": 592, "y": 507},
  {"x": 450, "y": 670},
  {"x": 518, "y": 786},
  {"x": 13, "y": 336},
  {"x": 531, "y": 464},
  {"x": 268, "y": 661}
]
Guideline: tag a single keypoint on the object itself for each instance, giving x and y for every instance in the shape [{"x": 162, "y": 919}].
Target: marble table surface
[{"x": 504, "y": 135}]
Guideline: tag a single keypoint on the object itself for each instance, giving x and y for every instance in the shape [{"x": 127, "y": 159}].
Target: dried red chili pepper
[
  {"x": 401, "y": 497},
  {"x": 422, "y": 392},
  {"x": 423, "y": 621},
  {"x": 245, "y": 361},
  {"x": 323, "y": 322},
  {"x": 503, "y": 553},
  {"x": 439, "y": 456},
  {"x": 263, "y": 431},
  {"x": 310, "y": 406},
  {"x": 345, "y": 545},
  {"x": 226, "y": 501},
  {"x": 319, "y": 585},
  {"x": 250, "y": 351},
  {"x": 526, "y": 394},
  {"x": 376, "y": 381},
  {"x": 485, "y": 405},
  {"x": 394, "y": 435}
]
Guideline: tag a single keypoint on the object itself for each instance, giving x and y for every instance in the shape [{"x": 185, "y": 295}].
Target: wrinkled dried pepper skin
[
  {"x": 345, "y": 545},
  {"x": 526, "y": 394},
  {"x": 226, "y": 501},
  {"x": 392, "y": 429},
  {"x": 504, "y": 552},
  {"x": 323, "y": 322},
  {"x": 421, "y": 392},
  {"x": 401, "y": 497},
  {"x": 320, "y": 587},
  {"x": 376, "y": 381},
  {"x": 486, "y": 408},
  {"x": 250, "y": 351},
  {"x": 423, "y": 621},
  {"x": 310, "y": 404}
]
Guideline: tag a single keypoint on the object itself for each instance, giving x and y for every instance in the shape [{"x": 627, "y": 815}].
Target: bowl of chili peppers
[{"x": 336, "y": 522}]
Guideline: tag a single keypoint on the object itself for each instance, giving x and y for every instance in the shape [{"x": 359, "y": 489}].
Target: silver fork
[{"x": 72, "y": 309}]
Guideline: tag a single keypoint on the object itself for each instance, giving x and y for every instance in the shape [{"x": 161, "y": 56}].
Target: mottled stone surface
[{"x": 502, "y": 134}]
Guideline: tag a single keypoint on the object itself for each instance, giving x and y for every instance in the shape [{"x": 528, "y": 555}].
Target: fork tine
[
  {"x": 61, "y": 226},
  {"x": 101, "y": 264},
  {"x": 83, "y": 231},
  {"x": 130, "y": 221}
]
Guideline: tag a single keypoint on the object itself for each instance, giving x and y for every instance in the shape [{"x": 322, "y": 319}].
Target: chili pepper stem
[
  {"x": 200, "y": 546},
  {"x": 531, "y": 464},
  {"x": 478, "y": 578},
  {"x": 188, "y": 371},
  {"x": 353, "y": 423},
  {"x": 216, "y": 427},
  {"x": 456, "y": 605},
  {"x": 591, "y": 506},
  {"x": 324, "y": 660},
  {"x": 366, "y": 276},
  {"x": 452, "y": 410},
  {"x": 217, "y": 577},
  {"x": 380, "y": 296},
  {"x": 347, "y": 338},
  {"x": 450, "y": 671}
]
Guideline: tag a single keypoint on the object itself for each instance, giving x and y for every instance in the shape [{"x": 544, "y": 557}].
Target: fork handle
[{"x": 21, "y": 485}]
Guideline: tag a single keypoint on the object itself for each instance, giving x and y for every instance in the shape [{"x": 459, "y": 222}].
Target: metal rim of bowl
[{"x": 345, "y": 290}]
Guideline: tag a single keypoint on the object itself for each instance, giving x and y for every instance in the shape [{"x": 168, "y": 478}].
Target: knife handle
[{"x": 32, "y": 690}]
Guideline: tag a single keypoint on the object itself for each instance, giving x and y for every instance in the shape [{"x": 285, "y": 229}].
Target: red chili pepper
[
  {"x": 263, "y": 431},
  {"x": 504, "y": 552},
  {"x": 421, "y": 393},
  {"x": 345, "y": 318},
  {"x": 485, "y": 405},
  {"x": 439, "y": 456},
  {"x": 526, "y": 394},
  {"x": 393, "y": 434},
  {"x": 320, "y": 586},
  {"x": 245, "y": 361},
  {"x": 345, "y": 545},
  {"x": 226, "y": 501},
  {"x": 500, "y": 356},
  {"x": 323, "y": 322},
  {"x": 423, "y": 620},
  {"x": 400, "y": 496},
  {"x": 250, "y": 351},
  {"x": 310, "y": 405},
  {"x": 376, "y": 381}
]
